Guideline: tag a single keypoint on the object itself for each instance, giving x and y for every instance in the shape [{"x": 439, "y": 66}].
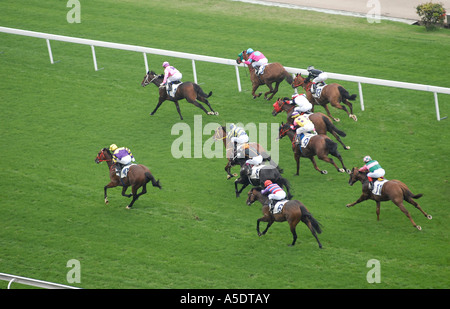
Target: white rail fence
[
  {"x": 33, "y": 282},
  {"x": 193, "y": 57}
]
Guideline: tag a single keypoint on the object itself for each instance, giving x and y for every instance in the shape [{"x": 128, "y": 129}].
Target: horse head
[
  {"x": 356, "y": 175},
  {"x": 253, "y": 195},
  {"x": 220, "y": 133},
  {"x": 149, "y": 78},
  {"x": 282, "y": 131},
  {"x": 103, "y": 155},
  {"x": 281, "y": 105},
  {"x": 298, "y": 81}
]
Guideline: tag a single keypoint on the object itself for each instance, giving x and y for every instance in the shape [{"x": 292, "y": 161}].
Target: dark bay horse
[
  {"x": 187, "y": 90},
  {"x": 322, "y": 122},
  {"x": 254, "y": 150},
  {"x": 331, "y": 93},
  {"x": 268, "y": 172},
  {"x": 319, "y": 145},
  {"x": 393, "y": 190},
  {"x": 138, "y": 176},
  {"x": 293, "y": 212},
  {"x": 273, "y": 73}
]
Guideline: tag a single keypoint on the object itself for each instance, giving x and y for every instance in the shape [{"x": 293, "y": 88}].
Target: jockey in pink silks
[
  {"x": 171, "y": 75},
  {"x": 257, "y": 60}
]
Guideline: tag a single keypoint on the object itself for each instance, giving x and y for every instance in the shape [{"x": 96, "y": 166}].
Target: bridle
[
  {"x": 278, "y": 107},
  {"x": 146, "y": 79},
  {"x": 102, "y": 158}
]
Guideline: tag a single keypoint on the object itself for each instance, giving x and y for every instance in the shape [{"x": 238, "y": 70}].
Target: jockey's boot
[
  {"x": 313, "y": 88},
  {"x": 370, "y": 182}
]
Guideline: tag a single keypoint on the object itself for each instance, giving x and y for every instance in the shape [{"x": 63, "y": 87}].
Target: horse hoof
[
  {"x": 106, "y": 201},
  {"x": 349, "y": 171},
  {"x": 429, "y": 217},
  {"x": 419, "y": 227},
  {"x": 347, "y": 147},
  {"x": 229, "y": 177},
  {"x": 128, "y": 207},
  {"x": 336, "y": 119},
  {"x": 341, "y": 170},
  {"x": 216, "y": 113},
  {"x": 324, "y": 172},
  {"x": 353, "y": 117}
]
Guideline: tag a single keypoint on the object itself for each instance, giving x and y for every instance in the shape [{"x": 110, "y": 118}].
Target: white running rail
[
  {"x": 33, "y": 282},
  {"x": 193, "y": 57}
]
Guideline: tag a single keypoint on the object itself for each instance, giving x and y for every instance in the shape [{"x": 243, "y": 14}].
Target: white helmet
[{"x": 367, "y": 159}]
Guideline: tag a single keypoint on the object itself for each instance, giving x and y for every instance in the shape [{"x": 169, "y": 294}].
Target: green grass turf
[{"x": 194, "y": 233}]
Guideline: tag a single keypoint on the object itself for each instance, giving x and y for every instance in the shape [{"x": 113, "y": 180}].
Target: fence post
[
  {"x": 50, "y": 51},
  {"x": 238, "y": 78},
  {"x": 146, "y": 63},
  {"x": 195, "y": 71},
  {"x": 361, "y": 98}
]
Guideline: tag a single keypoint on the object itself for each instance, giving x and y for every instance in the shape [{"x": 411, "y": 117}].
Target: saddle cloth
[
  {"x": 377, "y": 186},
  {"x": 261, "y": 69},
  {"x": 278, "y": 206},
  {"x": 172, "y": 92},
  {"x": 125, "y": 170},
  {"x": 255, "y": 172},
  {"x": 305, "y": 139},
  {"x": 319, "y": 88}
]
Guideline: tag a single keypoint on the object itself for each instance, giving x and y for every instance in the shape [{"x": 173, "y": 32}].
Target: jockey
[
  {"x": 257, "y": 60},
  {"x": 374, "y": 170},
  {"x": 319, "y": 77},
  {"x": 302, "y": 103},
  {"x": 303, "y": 125},
  {"x": 171, "y": 76},
  {"x": 275, "y": 192},
  {"x": 121, "y": 156},
  {"x": 237, "y": 137}
]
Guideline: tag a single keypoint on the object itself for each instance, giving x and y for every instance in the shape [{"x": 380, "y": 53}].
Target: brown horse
[
  {"x": 293, "y": 212},
  {"x": 273, "y": 73},
  {"x": 332, "y": 93},
  {"x": 187, "y": 90},
  {"x": 322, "y": 123},
  {"x": 393, "y": 190},
  {"x": 138, "y": 176},
  {"x": 254, "y": 150},
  {"x": 319, "y": 145}
]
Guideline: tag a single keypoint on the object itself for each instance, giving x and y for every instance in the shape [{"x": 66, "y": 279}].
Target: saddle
[
  {"x": 278, "y": 207},
  {"x": 319, "y": 88},
  {"x": 172, "y": 89},
  {"x": 378, "y": 186}
]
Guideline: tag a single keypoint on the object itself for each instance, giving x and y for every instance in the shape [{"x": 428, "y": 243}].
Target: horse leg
[
  {"x": 297, "y": 160},
  {"x": 177, "y": 105},
  {"x": 205, "y": 100},
  {"x": 292, "y": 225},
  {"x": 350, "y": 106},
  {"x": 254, "y": 88},
  {"x": 331, "y": 161},
  {"x": 316, "y": 167},
  {"x": 160, "y": 101},
  {"x": 405, "y": 211},
  {"x": 329, "y": 114},
  {"x": 109, "y": 185},
  {"x": 267, "y": 219},
  {"x": 273, "y": 91},
  {"x": 135, "y": 196},
  {"x": 244, "y": 185},
  {"x": 415, "y": 204},
  {"x": 362, "y": 198},
  {"x": 124, "y": 190}
]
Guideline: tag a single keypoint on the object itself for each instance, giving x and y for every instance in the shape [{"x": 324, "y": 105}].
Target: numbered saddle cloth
[
  {"x": 172, "y": 92},
  {"x": 125, "y": 170},
  {"x": 319, "y": 88},
  {"x": 255, "y": 172},
  {"x": 278, "y": 206},
  {"x": 377, "y": 186},
  {"x": 306, "y": 138}
]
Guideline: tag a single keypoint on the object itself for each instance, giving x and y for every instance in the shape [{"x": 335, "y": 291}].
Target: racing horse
[
  {"x": 138, "y": 176},
  {"x": 254, "y": 149},
  {"x": 187, "y": 90},
  {"x": 393, "y": 190},
  {"x": 331, "y": 93},
  {"x": 293, "y": 212},
  {"x": 322, "y": 123},
  {"x": 267, "y": 172},
  {"x": 273, "y": 73},
  {"x": 319, "y": 145}
]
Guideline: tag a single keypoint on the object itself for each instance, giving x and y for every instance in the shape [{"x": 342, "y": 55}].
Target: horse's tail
[
  {"x": 149, "y": 177},
  {"x": 288, "y": 77},
  {"x": 284, "y": 182},
  {"x": 331, "y": 127},
  {"x": 407, "y": 194},
  {"x": 307, "y": 216},
  {"x": 200, "y": 91},
  {"x": 345, "y": 95},
  {"x": 332, "y": 147}
]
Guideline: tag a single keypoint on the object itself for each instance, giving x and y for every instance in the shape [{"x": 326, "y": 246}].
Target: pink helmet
[{"x": 165, "y": 64}]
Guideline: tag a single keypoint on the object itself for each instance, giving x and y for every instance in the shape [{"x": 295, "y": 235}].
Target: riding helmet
[{"x": 367, "y": 159}]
